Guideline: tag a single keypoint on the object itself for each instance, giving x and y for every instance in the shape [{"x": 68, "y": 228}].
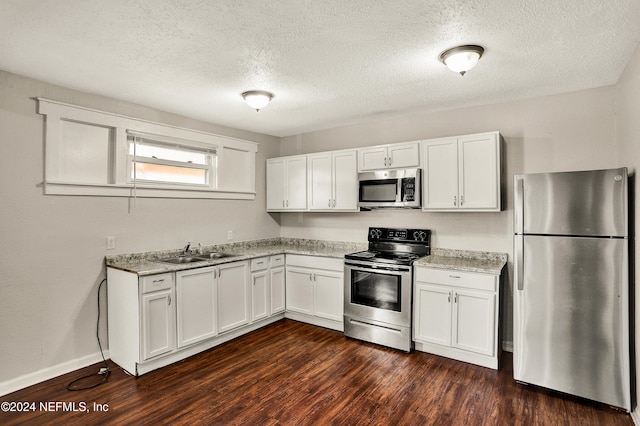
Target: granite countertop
[
  {"x": 464, "y": 260},
  {"x": 149, "y": 263}
]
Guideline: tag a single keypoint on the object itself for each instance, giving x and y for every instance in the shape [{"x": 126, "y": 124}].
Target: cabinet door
[
  {"x": 432, "y": 314},
  {"x": 345, "y": 181},
  {"x": 259, "y": 295},
  {"x": 158, "y": 323},
  {"x": 234, "y": 295},
  {"x": 195, "y": 305},
  {"x": 372, "y": 158},
  {"x": 275, "y": 184},
  {"x": 277, "y": 282},
  {"x": 299, "y": 290},
  {"x": 403, "y": 155},
  {"x": 473, "y": 321},
  {"x": 479, "y": 165},
  {"x": 329, "y": 295},
  {"x": 440, "y": 182},
  {"x": 320, "y": 196},
  {"x": 296, "y": 183}
]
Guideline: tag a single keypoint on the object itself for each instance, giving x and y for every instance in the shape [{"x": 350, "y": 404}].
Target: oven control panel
[{"x": 399, "y": 234}]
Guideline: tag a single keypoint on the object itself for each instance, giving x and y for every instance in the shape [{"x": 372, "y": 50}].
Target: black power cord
[{"x": 104, "y": 371}]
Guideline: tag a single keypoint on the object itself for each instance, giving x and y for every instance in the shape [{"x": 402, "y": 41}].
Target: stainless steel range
[{"x": 379, "y": 285}]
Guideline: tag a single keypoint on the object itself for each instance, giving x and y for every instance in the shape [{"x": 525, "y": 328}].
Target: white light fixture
[
  {"x": 461, "y": 58},
  {"x": 257, "y": 99}
]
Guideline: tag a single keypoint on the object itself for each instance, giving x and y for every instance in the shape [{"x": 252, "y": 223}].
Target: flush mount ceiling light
[
  {"x": 462, "y": 58},
  {"x": 257, "y": 99}
]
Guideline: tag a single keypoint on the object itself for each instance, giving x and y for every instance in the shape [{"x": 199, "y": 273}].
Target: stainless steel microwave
[{"x": 399, "y": 188}]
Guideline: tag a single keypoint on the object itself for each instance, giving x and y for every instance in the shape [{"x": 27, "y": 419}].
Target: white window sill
[{"x": 113, "y": 190}]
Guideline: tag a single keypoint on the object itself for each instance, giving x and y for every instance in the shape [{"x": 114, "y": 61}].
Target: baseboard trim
[
  {"x": 635, "y": 416},
  {"x": 39, "y": 376},
  {"x": 507, "y": 345}
]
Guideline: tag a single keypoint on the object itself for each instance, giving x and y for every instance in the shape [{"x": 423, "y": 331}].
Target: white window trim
[
  {"x": 119, "y": 184},
  {"x": 158, "y": 140}
]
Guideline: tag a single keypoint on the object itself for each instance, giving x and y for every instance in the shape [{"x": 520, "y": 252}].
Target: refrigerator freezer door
[
  {"x": 589, "y": 203},
  {"x": 571, "y": 328}
]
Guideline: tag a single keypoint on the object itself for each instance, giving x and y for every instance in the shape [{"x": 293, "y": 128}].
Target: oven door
[{"x": 378, "y": 292}]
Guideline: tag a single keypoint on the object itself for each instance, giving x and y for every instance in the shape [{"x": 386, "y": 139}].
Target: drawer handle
[
  {"x": 158, "y": 282},
  {"x": 455, "y": 276}
]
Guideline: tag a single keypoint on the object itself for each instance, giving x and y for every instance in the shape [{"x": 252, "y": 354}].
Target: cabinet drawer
[
  {"x": 455, "y": 278},
  {"x": 156, "y": 282},
  {"x": 259, "y": 264},
  {"x": 277, "y": 260}
]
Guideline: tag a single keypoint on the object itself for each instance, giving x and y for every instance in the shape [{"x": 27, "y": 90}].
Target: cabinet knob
[
  {"x": 461, "y": 199},
  {"x": 169, "y": 301},
  {"x": 455, "y": 200}
]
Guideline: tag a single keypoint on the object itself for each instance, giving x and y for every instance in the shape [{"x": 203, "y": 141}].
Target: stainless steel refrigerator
[{"x": 571, "y": 288}]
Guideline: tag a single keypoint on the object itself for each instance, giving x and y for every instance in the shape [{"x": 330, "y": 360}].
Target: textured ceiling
[{"x": 328, "y": 62}]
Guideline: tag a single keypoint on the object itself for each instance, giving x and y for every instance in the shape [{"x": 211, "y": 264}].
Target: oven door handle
[{"x": 376, "y": 267}]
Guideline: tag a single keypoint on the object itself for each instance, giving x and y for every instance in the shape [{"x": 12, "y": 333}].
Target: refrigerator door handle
[
  {"x": 518, "y": 204},
  {"x": 518, "y": 249}
]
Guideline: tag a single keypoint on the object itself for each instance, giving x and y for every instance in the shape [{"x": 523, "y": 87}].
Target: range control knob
[
  {"x": 375, "y": 233},
  {"x": 419, "y": 235}
]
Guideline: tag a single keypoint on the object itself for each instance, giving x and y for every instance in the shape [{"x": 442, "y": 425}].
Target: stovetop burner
[
  {"x": 396, "y": 246},
  {"x": 402, "y": 258}
]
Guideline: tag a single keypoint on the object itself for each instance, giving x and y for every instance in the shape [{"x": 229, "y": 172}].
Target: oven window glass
[
  {"x": 378, "y": 190},
  {"x": 376, "y": 290}
]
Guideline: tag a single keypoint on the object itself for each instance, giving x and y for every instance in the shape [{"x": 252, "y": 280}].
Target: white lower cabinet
[
  {"x": 260, "y": 307},
  {"x": 157, "y": 320},
  {"x": 234, "y": 295},
  {"x": 315, "y": 290},
  {"x": 196, "y": 305},
  {"x": 277, "y": 283},
  {"x": 456, "y": 315},
  {"x": 157, "y": 323}
]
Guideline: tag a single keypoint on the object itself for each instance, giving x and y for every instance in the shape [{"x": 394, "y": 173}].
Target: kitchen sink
[
  {"x": 216, "y": 255},
  {"x": 183, "y": 259}
]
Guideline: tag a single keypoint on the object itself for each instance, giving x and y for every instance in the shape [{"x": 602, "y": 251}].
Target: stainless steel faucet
[{"x": 186, "y": 248}]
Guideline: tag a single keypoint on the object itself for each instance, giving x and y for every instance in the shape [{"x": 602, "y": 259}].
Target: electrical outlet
[
  {"x": 111, "y": 243},
  {"x": 229, "y": 235}
]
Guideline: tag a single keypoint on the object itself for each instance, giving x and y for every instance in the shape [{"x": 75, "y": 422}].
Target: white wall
[
  {"x": 52, "y": 247},
  {"x": 628, "y": 138},
  {"x": 574, "y": 131}
]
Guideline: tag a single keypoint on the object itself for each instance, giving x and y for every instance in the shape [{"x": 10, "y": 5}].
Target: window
[{"x": 156, "y": 162}]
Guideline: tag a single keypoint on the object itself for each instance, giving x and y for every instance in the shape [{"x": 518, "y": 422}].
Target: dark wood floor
[{"x": 291, "y": 373}]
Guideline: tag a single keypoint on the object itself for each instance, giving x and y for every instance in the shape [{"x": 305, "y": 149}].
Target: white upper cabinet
[
  {"x": 394, "y": 156},
  {"x": 462, "y": 173},
  {"x": 287, "y": 183},
  {"x": 333, "y": 181}
]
